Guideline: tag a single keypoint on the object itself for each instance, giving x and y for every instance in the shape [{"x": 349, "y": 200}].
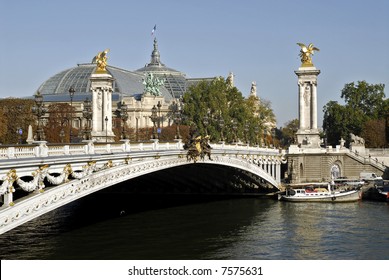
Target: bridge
[{"x": 36, "y": 179}]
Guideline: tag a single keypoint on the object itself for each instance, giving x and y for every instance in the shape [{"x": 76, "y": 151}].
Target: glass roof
[{"x": 126, "y": 82}]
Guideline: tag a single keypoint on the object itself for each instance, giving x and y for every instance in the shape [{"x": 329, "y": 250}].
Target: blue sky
[{"x": 256, "y": 40}]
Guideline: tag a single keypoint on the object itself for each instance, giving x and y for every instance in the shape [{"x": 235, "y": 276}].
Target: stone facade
[{"x": 323, "y": 165}]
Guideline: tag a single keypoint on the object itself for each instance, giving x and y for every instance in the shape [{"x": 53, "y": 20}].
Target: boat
[
  {"x": 377, "y": 193},
  {"x": 321, "y": 193}
]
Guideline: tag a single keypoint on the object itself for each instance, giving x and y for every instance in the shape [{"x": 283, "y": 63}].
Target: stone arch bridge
[{"x": 36, "y": 179}]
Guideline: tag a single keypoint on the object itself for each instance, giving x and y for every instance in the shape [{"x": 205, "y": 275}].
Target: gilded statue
[
  {"x": 306, "y": 53},
  {"x": 101, "y": 60}
]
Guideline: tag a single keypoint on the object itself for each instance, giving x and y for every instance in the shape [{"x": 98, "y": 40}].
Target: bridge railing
[{"x": 42, "y": 149}]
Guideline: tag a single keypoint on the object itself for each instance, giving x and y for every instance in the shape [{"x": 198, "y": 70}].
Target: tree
[
  {"x": 288, "y": 132},
  {"x": 364, "y": 98},
  {"x": 374, "y": 137},
  {"x": 215, "y": 107},
  {"x": 335, "y": 122},
  {"x": 59, "y": 120},
  {"x": 363, "y": 102},
  {"x": 16, "y": 116}
]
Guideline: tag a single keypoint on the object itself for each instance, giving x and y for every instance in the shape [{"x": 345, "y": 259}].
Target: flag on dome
[{"x": 153, "y": 31}]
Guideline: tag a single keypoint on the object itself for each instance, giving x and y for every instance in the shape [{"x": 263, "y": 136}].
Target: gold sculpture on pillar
[
  {"x": 101, "y": 60},
  {"x": 306, "y": 53}
]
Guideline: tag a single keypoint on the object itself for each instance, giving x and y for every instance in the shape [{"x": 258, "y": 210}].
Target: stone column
[
  {"x": 301, "y": 106},
  {"x": 102, "y": 87},
  {"x": 278, "y": 172},
  {"x": 314, "y": 106},
  {"x": 308, "y": 134}
]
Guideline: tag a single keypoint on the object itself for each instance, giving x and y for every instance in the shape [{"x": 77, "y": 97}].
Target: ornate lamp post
[
  {"x": 177, "y": 119},
  {"x": 62, "y": 135},
  {"x": 154, "y": 119},
  {"x": 273, "y": 135},
  {"x": 221, "y": 125},
  {"x": 71, "y": 93},
  {"x": 106, "y": 129},
  {"x": 246, "y": 130},
  {"x": 256, "y": 130},
  {"x": 39, "y": 110},
  {"x": 124, "y": 118},
  {"x": 264, "y": 137},
  {"x": 159, "y": 105},
  {"x": 206, "y": 122},
  {"x": 87, "y": 114},
  {"x": 235, "y": 129}
]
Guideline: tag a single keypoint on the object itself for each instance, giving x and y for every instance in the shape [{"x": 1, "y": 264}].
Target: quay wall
[{"x": 319, "y": 165}]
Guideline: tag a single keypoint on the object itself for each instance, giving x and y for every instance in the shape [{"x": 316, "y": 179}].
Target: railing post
[
  {"x": 66, "y": 150},
  {"x": 126, "y": 145},
  {"x": 155, "y": 144},
  {"x": 11, "y": 152},
  {"x": 89, "y": 147},
  {"x": 44, "y": 150},
  {"x": 8, "y": 199}
]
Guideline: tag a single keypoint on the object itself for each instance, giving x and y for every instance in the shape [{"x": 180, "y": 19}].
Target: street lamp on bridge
[
  {"x": 106, "y": 129},
  {"x": 87, "y": 114},
  {"x": 154, "y": 119},
  {"x": 71, "y": 93},
  {"x": 123, "y": 113},
  {"x": 221, "y": 125},
  {"x": 39, "y": 110}
]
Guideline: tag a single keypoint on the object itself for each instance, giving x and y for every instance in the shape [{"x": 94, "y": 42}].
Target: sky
[{"x": 256, "y": 40}]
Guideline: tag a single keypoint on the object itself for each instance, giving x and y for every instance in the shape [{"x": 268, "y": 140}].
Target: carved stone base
[{"x": 309, "y": 138}]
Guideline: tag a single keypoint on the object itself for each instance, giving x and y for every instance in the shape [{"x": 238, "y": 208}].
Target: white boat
[{"x": 320, "y": 193}]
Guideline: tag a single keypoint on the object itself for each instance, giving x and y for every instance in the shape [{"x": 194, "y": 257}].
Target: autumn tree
[
  {"x": 59, "y": 120},
  {"x": 16, "y": 116}
]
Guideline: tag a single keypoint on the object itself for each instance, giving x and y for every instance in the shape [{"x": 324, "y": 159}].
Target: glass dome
[
  {"x": 175, "y": 81},
  {"x": 125, "y": 83}
]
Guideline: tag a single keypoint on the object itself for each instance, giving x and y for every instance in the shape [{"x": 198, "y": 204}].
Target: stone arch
[{"x": 336, "y": 170}]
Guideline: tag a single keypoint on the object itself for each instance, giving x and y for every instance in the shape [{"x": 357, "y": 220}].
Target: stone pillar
[
  {"x": 308, "y": 134},
  {"x": 301, "y": 106},
  {"x": 314, "y": 106},
  {"x": 278, "y": 172},
  {"x": 101, "y": 87}
]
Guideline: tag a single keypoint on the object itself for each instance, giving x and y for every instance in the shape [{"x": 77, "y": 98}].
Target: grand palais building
[{"x": 128, "y": 87}]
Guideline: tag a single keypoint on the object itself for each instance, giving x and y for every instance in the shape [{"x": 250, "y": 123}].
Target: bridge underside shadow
[{"x": 196, "y": 179}]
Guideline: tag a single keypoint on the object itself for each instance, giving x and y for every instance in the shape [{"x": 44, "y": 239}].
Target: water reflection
[{"x": 222, "y": 229}]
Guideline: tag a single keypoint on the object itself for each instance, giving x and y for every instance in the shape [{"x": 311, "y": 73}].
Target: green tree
[
  {"x": 374, "y": 137},
  {"x": 363, "y": 102},
  {"x": 335, "y": 122},
  {"x": 215, "y": 107},
  {"x": 288, "y": 132}
]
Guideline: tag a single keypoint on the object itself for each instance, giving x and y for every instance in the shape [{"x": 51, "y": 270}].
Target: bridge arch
[{"x": 45, "y": 201}]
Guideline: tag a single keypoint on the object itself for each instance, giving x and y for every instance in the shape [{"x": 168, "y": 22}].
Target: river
[{"x": 165, "y": 227}]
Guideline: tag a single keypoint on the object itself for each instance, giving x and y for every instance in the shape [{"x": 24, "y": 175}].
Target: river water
[{"x": 161, "y": 227}]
